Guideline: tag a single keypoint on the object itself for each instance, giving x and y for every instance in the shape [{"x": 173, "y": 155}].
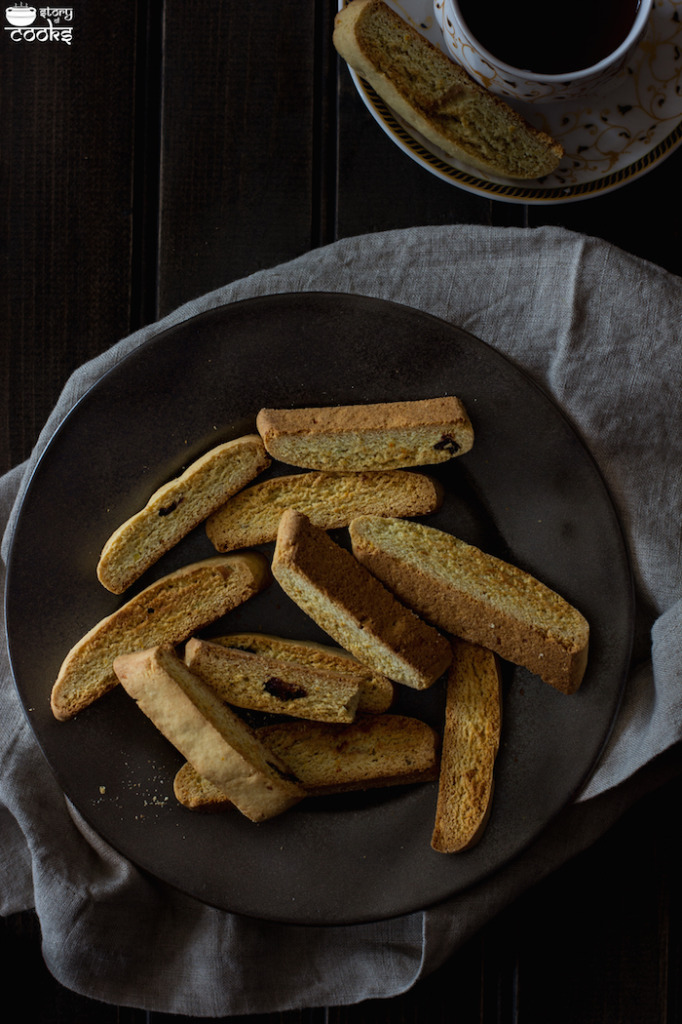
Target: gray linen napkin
[{"x": 600, "y": 331}]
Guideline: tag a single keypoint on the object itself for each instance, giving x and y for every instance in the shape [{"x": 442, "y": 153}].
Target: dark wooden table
[{"x": 170, "y": 149}]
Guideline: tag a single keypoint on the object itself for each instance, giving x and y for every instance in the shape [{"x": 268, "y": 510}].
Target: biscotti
[
  {"x": 380, "y": 436},
  {"x": 177, "y": 507},
  {"x": 353, "y": 607},
  {"x": 376, "y": 692},
  {"x": 330, "y": 500},
  {"x": 375, "y": 751},
  {"x": 168, "y": 611},
  {"x": 471, "y": 740},
  {"x": 476, "y": 596},
  {"x": 260, "y": 683},
  {"x": 437, "y": 97},
  {"x": 220, "y": 746}
]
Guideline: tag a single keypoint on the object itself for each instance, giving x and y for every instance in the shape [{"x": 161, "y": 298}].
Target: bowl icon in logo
[{"x": 20, "y": 16}]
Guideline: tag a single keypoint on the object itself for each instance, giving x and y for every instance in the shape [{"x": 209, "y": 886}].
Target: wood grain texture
[
  {"x": 240, "y": 149},
  {"x": 68, "y": 164}
]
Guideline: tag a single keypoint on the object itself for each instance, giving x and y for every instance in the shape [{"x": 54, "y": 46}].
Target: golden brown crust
[
  {"x": 330, "y": 500},
  {"x": 380, "y": 436},
  {"x": 477, "y": 597},
  {"x": 374, "y": 752},
  {"x": 168, "y": 611},
  {"x": 354, "y": 607},
  {"x": 471, "y": 739},
  {"x": 220, "y": 746},
  {"x": 441, "y": 411}
]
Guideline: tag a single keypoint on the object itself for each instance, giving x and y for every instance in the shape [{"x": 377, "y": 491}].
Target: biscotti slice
[
  {"x": 260, "y": 683},
  {"x": 475, "y": 596},
  {"x": 220, "y": 746},
  {"x": 471, "y": 739},
  {"x": 168, "y": 611},
  {"x": 385, "y": 435},
  {"x": 330, "y": 500},
  {"x": 353, "y": 607},
  {"x": 375, "y": 751},
  {"x": 376, "y": 692},
  {"x": 437, "y": 97},
  {"x": 177, "y": 507}
]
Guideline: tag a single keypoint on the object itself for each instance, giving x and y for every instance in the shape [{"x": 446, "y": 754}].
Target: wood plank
[
  {"x": 238, "y": 140},
  {"x": 68, "y": 162},
  {"x": 381, "y": 188}
]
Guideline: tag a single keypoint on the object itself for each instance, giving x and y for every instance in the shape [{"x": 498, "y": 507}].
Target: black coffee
[{"x": 547, "y": 37}]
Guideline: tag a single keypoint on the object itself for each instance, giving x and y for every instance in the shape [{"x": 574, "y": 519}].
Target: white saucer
[{"x": 609, "y": 139}]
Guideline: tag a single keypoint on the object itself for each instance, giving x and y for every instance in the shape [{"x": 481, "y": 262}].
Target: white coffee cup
[{"x": 527, "y": 86}]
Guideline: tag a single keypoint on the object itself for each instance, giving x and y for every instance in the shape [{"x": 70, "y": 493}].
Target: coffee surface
[{"x": 546, "y": 38}]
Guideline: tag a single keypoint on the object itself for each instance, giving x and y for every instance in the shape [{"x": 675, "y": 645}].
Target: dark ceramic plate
[{"x": 528, "y": 491}]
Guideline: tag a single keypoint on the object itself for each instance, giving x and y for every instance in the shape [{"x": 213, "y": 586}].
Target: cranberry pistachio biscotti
[
  {"x": 376, "y": 751},
  {"x": 477, "y": 597},
  {"x": 329, "y": 500},
  {"x": 384, "y": 435},
  {"x": 471, "y": 740},
  {"x": 437, "y": 97},
  {"x": 354, "y": 608},
  {"x": 376, "y": 692},
  {"x": 177, "y": 507},
  {"x": 168, "y": 611},
  {"x": 220, "y": 746}
]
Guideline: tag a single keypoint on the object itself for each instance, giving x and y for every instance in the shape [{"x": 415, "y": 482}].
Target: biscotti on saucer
[
  {"x": 376, "y": 692},
  {"x": 330, "y": 500},
  {"x": 168, "y": 611},
  {"x": 353, "y": 607},
  {"x": 380, "y": 436},
  {"x": 374, "y": 752},
  {"x": 437, "y": 97},
  {"x": 471, "y": 739},
  {"x": 261, "y": 683},
  {"x": 220, "y": 746},
  {"x": 475, "y": 596},
  {"x": 177, "y": 507}
]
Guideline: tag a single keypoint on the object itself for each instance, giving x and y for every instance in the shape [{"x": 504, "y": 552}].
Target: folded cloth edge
[{"x": 302, "y": 274}]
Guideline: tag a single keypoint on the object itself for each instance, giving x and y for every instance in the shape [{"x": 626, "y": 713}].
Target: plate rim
[
  {"x": 475, "y": 182},
  {"x": 333, "y": 296}
]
